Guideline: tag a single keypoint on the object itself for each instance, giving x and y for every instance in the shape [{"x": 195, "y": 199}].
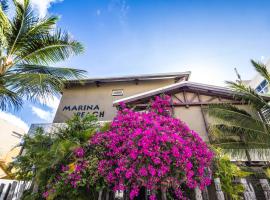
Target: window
[
  {"x": 263, "y": 87},
  {"x": 117, "y": 92}
]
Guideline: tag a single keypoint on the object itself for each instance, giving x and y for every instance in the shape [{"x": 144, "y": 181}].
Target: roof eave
[{"x": 161, "y": 76}]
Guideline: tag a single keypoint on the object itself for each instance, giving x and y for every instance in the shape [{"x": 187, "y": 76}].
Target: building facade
[
  {"x": 96, "y": 96},
  {"x": 102, "y": 96},
  {"x": 10, "y": 138}
]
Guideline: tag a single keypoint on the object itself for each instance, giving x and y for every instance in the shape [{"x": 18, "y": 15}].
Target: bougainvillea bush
[
  {"x": 78, "y": 179},
  {"x": 153, "y": 150}
]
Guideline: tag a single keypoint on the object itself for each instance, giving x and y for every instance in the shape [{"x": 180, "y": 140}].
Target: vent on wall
[{"x": 118, "y": 92}]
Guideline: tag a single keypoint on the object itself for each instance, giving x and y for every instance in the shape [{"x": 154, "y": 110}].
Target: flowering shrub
[
  {"x": 152, "y": 150},
  {"x": 71, "y": 170},
  {"x": 75, "y": 178}
]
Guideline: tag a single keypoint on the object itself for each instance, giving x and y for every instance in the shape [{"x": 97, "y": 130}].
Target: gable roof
[
  {"x": 185, "y": 86},
  {"x": 159, "y": 76}
]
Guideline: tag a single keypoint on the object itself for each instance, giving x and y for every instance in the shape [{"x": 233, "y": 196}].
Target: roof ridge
[{"x": 172, "y": 87}]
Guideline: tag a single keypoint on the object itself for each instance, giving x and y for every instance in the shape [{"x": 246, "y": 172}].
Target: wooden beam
[
  {"x": 199, "y": 98},
  {"x": 204, "y": 118},
  {"x": 185, "y": 99},
  {"x": 205, "y": 124},
  {"x": 205, "y": 103},
  {"x": 192, "y": 104},
  {"x": 178, "y": 98}
]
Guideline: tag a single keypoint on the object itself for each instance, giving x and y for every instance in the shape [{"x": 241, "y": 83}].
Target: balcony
[{"x": 47, "y": 127}]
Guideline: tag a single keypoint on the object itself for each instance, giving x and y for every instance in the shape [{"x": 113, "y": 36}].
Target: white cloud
[
  {"x": 42, "y": 6},
  {"x": 42, "y": 114},
  {"x": 52, "y": 103},
  {"x": 14, "y": 120},
  {"x": 49, "y": 114}
]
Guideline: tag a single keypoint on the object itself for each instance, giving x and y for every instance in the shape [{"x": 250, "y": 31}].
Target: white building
[
  {"x": 259, "y": 83},
  {"x": 10, "y": 138}
]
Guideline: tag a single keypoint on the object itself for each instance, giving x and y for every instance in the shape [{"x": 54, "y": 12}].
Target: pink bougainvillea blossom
[
  {"x": 153, "y": 150},
  {"x": 79, "y": 152}
]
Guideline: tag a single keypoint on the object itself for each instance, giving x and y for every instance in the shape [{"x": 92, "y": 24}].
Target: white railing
[
  {"x": 47, "y": 127},
  {"x": 12, "y": 189}
]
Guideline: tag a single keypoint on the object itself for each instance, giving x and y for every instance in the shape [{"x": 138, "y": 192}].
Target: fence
[
  {"x": 12, "y": 190},
  {"x": 254, "y": 190}
]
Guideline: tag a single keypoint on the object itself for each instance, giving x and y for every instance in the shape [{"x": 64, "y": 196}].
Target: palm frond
[
  {"x": 5, "y": 25},
  {"x": 43, "y": 26},
  {"x": 28, "y": 43},
  {"x": 248, "y": 94},
  {"x": 4, "y": 5},
  {"x": 49, "y": 49},
  {"x": 63, "y": 73},
  {"x": 237, "y": 133},
  {"x": 36, "y": 31},
  {"x": 9, "y": 100},
  {"x": 236, "y": 130},
  {"x": 233, "y": 116},
  {"x": 261, "y": 69},
  {"x": 23, "y": 21},
  {"x": 36, "y": 86}
]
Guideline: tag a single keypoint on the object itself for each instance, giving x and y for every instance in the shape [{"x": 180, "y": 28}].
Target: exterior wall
[
  {"x": 193, "y": 117},
  {"x": 100, "y": 98},
  {"x": 8, "y": 141}
]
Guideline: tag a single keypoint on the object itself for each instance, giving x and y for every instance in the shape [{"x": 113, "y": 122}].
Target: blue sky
[{"x": 124, "y": 37}]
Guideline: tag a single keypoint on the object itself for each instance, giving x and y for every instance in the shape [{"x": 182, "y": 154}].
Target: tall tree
[
  {"x": 239, "y": 130},
  {"x": 28, "y": 47}
]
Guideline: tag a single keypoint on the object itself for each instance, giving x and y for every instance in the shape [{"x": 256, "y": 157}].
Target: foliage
[
  {"x": 45, "y": 154},
  {"x": 228, "y": 172},
  {"x": 28, "y": 45},
  {"x": 153, "y": 150},
  {"x": 267, "y": 173},
  {"x": 238, "y": 129}
]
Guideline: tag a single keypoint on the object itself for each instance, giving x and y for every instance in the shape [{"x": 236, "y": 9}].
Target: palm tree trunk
[
  {"x": 242, "y": 138},
  {"x": 248, "y": 156}
]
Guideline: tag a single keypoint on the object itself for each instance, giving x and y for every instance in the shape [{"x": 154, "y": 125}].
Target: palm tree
[
  {"x": 240, "y": 130},
  {"x": 28, "y": 46}
]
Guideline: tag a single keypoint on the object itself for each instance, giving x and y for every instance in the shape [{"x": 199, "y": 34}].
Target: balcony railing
[{"x": 47, "y": 127}]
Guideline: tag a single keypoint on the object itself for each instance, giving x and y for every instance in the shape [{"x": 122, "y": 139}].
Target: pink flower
[
  {"x": 64, "y": 168},
  {"x": 143, "y": 171},
  {"x": 148, "y": 149},
  {"x": 129, "y": 174},
  {"x": 45, "y": 194},
  {"x": 152, "y": 197},
  {"x": 134, "y": 192},
  {"x": 79, "y": 152}
]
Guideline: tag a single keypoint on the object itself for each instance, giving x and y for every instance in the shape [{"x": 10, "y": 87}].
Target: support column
[
  {"x": 266, "y": 188},
  {"x": 219, "y": 192}
]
